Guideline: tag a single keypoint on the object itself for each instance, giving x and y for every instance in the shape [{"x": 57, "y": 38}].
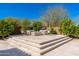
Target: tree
[
  {"x": 25, "y": 24},
  {"x": 15, "y": 24},
  {"x": 54, "y": 15},
  {"x": 70, "y": 31},
  {"x": 37, "y": 25},
  {"x": 67, "y": 27},
  {"x": 5, "y": 28}
]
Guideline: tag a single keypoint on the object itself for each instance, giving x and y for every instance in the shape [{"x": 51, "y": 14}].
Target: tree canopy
[{"x": 54, "y": 14}]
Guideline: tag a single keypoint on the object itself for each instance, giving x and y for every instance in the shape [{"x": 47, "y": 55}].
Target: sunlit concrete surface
[
  {"x": 69, "y": 49},
  {"x": 32, "y": 43},
  {"x": 37, "y": 39},
  {"x": 8, "y": 50}
]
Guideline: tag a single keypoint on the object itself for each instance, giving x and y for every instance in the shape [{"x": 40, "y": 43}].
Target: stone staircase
[{"x": 38, "y": 46}]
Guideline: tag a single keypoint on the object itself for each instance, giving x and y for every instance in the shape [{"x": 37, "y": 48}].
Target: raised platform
[{"x": 38, "y": 45}]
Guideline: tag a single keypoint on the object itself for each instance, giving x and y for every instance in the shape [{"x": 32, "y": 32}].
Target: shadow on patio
[{"x": 13, "y": 52}]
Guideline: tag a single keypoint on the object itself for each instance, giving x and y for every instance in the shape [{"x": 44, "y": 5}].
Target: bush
[
  {"x": 71, "y": 31},
  {"x": 37, "y": 25},
  {"x": 5, "y": 28},
  {"x": 77, "y": 32},
  {"x": 67, "y": 27},
  {"x": 8, "y": 26},
  {"x": 15, "y": 23}
]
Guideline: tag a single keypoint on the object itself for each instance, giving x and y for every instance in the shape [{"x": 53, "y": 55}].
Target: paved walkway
[
  {"x": 8, "y": 50},
  {"x": 69, "y": 49}
]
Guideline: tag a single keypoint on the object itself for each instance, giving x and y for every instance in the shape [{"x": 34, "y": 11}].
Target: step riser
[
  {"x": 43, "y": 52},
  {"x": 52, "y": 43}
]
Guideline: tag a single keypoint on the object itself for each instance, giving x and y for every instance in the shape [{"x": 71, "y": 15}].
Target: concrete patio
[
  {"x": 70, "y": 48},
  {"x": 8, "y": 50}
]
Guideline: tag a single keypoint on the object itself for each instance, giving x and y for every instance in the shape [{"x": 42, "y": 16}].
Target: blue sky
[{"x": 34, "y": 11}]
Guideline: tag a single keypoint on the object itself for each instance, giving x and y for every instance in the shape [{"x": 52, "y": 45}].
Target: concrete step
[
  {"x": 30, "y": 47},
  {"x": 23, "y": 48},
  {"x": 43, "y": 51},
  {"x": 53, "y": 43},
  {"x": 45, "y": 42},
  {"x": 24, "y": 41},
  {"x": 38, "y": 45},
  {"x": 37, "y": 39},
  {"x": 38, "y": 49}
]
